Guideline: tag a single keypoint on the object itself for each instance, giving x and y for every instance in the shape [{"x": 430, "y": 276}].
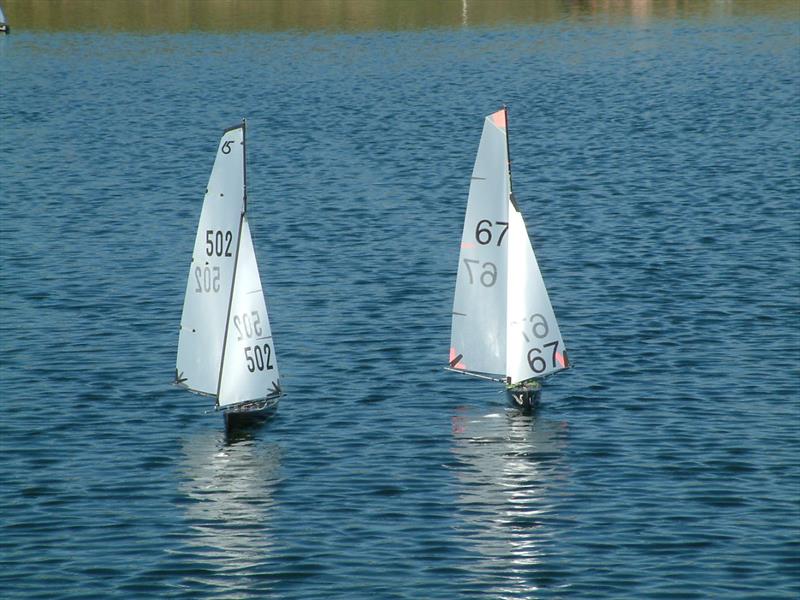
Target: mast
[
  {"x": 508, "y": 155},
  {"x": 507, "y": 378},
  {"x": 235, "y": 260},
  {"x": 244, "y": 164}
]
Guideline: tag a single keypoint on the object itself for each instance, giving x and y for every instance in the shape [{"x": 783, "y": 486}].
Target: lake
[{"x": 656, "y": 158}]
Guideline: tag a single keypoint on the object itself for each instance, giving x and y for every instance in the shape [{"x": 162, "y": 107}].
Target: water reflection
[
  {"x": 228, "y": 483},
  {"x": 510, "y": 466}
]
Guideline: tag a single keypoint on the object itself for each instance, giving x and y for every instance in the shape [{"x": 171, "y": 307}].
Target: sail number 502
[
  {"x": 247, "y": 325},
  {"x": 258, "y": 357},
  {"x": 207, "y": 279},
  {"x": 218, "y": 243}
]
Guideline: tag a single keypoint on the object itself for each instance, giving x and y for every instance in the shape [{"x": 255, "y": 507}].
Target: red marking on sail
[
  {"x": 454, "y": 358},
  {"x": 499, "y": 118},
  {"x": 560, "y": 359},
  {"x": 467, "y": 245}
]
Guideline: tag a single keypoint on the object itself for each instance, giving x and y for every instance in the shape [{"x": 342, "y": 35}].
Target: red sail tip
[
  {"x": 499, "y": 118},
  {"x": 455, "y": 360}
]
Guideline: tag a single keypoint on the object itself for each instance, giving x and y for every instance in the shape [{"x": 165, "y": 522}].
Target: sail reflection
[
  {"x": 228, "y": 484},
  {"x": 510, "y": 466}
]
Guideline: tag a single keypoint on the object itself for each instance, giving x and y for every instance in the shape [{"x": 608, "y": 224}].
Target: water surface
[{"x": 656, "y": 163}]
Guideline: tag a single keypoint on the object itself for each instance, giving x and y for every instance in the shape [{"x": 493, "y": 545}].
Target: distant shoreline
[{"x": 152, "y": 16}]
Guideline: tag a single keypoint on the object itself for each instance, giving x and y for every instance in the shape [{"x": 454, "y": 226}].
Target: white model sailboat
[
  {"x": 503, "y": 325},
  {"x": 225, "y": 348},
  {"x": 4, "y": 28}
]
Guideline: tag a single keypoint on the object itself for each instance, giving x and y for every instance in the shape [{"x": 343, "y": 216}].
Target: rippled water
[{"x": 657, "y": 166}]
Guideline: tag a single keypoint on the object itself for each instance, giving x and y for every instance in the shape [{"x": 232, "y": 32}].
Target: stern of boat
[{"x": 524, "y": 396}]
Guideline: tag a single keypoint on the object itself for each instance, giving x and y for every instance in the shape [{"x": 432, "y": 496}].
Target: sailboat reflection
[
  {"x": 510, "y": 467},
  {"x": 229, "y": 483}
]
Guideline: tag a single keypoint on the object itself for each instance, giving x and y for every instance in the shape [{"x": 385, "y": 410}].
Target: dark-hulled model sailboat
[
  {"x": 225, "y": 348},
  {"x": 503, "y": 325}
]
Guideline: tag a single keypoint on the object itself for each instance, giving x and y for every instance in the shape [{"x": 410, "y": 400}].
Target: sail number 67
[
  {"x": 537, "y": 363},
  {"x": 489, "y": 275},
  {"x": 483, "y": 231}
]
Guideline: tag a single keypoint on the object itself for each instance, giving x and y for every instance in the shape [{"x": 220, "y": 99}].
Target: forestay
[
  {"x": 503, "y": 324},
  {"x": 249, "y": 368},
  {"x": 208, "y": 290}
]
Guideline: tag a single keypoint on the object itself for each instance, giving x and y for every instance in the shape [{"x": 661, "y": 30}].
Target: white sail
[
  {"x": 249, "y": 366},
  {"x": 534, "y": 344},
  {"x": 478, "y": 339},
  {"x": 208, "y": 290},
  {"x": 503, "y": 324}
]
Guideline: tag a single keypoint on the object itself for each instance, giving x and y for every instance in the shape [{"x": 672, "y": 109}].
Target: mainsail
[
  {"x": 503, "y": 324},
  {"x": 208, "y": 290}
]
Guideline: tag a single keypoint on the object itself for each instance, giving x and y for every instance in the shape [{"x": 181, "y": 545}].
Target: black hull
[
  {"x": 524, "y": 399},
  {"x": 250, "y": 415}
]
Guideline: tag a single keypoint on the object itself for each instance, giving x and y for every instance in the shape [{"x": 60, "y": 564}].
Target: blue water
[{"x": 658, "y": 167}]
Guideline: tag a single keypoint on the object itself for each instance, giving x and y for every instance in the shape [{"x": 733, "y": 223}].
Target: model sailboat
[
  {"x": 225, "y": 348},
  {"x": 4, "y": 28},
  {"x": 503, "y": 325}
]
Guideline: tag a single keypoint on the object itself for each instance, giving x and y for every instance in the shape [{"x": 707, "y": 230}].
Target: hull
[
  {"x": 250, "y": 414},
  {"x": 524, "y": 397}
]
